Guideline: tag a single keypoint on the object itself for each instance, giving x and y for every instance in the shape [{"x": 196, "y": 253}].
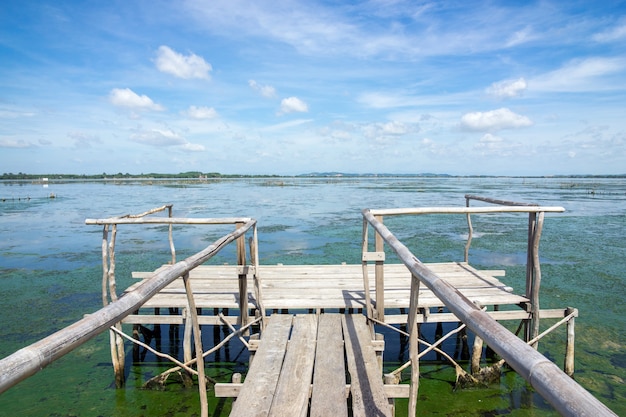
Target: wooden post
[
  {"x": 413, "y": 344},
  {"x": 366, "y": 279},
  {"x": 392, "y": 379},
  {"x": 470, "y": 231},
  {"x": 536, "y": 278},
  {"x": 187, "y": 335},
  {"x": 171, "y": 236},
  {"x": 380, "y": 277},
  {"x": 532, "y": 218},
  {"x": 243, "y": 278},
  {"x": 477, "y": 350},
  {"x": 191, "y": 307},
  {"x": 569, "y": 346},
  {"x": 105, "y": 264},
  {"x": 258, "y": 293},
  {"x": 477, "y": 353},
  {"x": 379, "y": 353}
]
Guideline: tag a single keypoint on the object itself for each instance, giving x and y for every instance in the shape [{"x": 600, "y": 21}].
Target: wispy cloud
[
  {"x": 265, "y": 90},
  {"x": 612, "y": 34},
  {"x": 581, "y": 75},
  {"x": 15, "y": 143}
]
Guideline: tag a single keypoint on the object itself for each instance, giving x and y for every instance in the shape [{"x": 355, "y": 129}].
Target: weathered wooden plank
[
  {"x": 232, "y": 389},
  {"x": 366, "y": 384},
  {"x": 328, "y": 394},
  {"x": 327, "y": 286},
  {"x": 292, "y": 393},
  {"x": 256, "y": 396}
]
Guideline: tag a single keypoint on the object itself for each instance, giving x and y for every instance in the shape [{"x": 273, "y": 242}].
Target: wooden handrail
[
  {"x": 464, "y": 210},
  {"x": 31, "y": 359},
  {"x": 556, "y": 387}
]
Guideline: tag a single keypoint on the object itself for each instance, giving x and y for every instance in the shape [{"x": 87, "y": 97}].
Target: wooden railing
[
  {"x": 31, "y": 359},
  {"x": 108, "y": 279},
  {"x": 561, "y": 391},
  {"x": 533, "y": 266}
]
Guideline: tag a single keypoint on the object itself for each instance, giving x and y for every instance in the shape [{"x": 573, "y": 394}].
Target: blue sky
[{"x": 289, "y": 87}]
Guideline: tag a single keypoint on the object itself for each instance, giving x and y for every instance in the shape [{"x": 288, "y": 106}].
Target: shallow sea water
[{"x": 50, "y": 272}]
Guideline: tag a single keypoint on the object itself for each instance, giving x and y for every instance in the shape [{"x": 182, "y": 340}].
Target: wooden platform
[
  {"x": 299, "y": 370},
  {"x": 329, "y": 287}
]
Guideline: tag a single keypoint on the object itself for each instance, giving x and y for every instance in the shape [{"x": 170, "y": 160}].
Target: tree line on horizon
[{"x": 200, "y": 175}]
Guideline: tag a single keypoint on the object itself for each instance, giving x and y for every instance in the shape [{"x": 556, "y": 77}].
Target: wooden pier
[{"x": 311, "y": 317}]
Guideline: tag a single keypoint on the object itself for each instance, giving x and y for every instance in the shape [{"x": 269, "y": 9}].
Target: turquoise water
[{"x": 50, "y": 272}]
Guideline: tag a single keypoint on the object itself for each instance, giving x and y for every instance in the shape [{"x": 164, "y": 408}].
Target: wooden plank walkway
[
  {"x": 302, "y": 357},
  {"x": 325, "y": 287}
]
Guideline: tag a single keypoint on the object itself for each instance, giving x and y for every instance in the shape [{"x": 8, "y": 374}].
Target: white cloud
[
  {"x": 125, "y": 97},
  {"x": 507, "y": 88},
  {"x": 200, "y": 113},
  {"x": 265, "y": 90},
  {"x": 293, "y": 105},
  {"x": 494, "y": 120},
  {"x": 181, "y": 66},
  {"x": 580, "y": 75}
]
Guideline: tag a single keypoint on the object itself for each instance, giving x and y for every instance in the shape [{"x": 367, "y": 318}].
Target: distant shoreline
[{"x": 194, "y": 175}]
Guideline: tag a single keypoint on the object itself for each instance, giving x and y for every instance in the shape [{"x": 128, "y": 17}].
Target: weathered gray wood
[
  {"x": 328, "y": 395},
  {"x": 366, "y": 383},
  {"x": 463, "y": 210},
  {"x": 232, "y": 389},
  {"x": 255, "y": 398},
  {"x": 204, "y": 405},
  {"x": 328, "y": 286},
  {"x": 168, "y": 220},
  {"x": 292, "y": 392},
  {"x": 569, "y": 345},
  {"x": 565, "y": 395},
  {"x": 33, "y": 358}
]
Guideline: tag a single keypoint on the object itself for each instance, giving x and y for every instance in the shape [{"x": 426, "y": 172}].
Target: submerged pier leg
[
  {"x": 117, "y": 356},
  {"x": 477, "y": 353}
]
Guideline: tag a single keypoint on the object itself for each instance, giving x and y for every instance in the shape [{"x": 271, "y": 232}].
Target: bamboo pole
[
  {"x": 556, "y": 387},
  {"x": 31, "y": 359}
]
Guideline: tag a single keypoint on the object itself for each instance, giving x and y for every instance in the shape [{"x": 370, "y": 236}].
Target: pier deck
[
  {"x": 329, "y": 287},
  {"x": 299, "y": 369}
]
